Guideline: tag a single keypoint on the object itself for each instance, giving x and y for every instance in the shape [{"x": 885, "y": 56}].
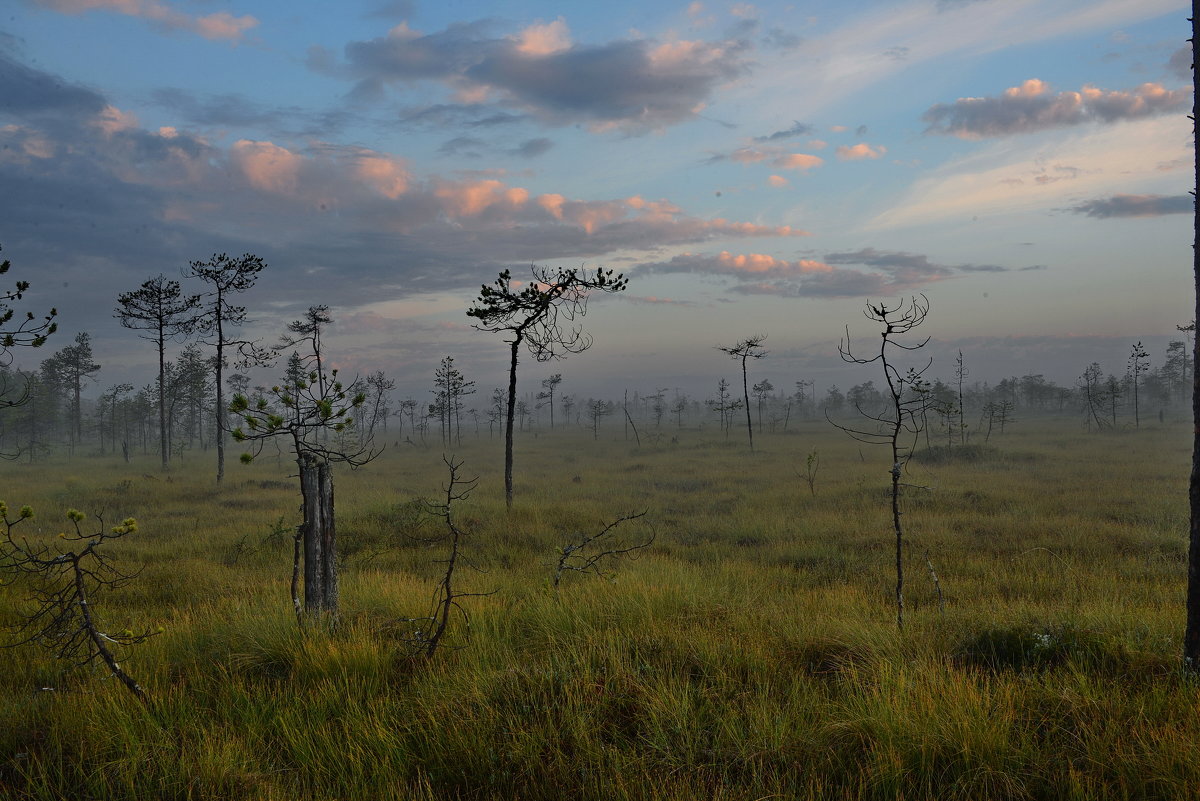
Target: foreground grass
[{"x": 750, "y": 653}]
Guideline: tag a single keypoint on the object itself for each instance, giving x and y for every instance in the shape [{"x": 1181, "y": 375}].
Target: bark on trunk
[
  {"x": 1191, "y": 636},
  {"x": 508, "y": 428},
  {"x": 320, "y": 551}
]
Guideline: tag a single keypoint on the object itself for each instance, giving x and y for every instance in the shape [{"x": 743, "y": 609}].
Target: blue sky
[{"x": 751, "y": 167}]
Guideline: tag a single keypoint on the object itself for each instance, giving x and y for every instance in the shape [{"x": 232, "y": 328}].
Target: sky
[{"x": 751, "y": 168}]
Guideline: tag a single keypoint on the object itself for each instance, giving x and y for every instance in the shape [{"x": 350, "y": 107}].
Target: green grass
[{"x": 750, "y": 653}]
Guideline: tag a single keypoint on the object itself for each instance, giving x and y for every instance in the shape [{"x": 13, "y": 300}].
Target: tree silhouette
[
  {"x": 542, "y": 315},
  {"x": 73, "y": 365},
  {"x": 750, "y": 348},
  {"x": 29, "y": 332},
  {"x": 546, "y": 396},
  {"x": 226, "y": 276},
  {"x": 1139, "y": 363},
  {"x": 902, "y": 415},
  {"x": 160, "y": 308}
]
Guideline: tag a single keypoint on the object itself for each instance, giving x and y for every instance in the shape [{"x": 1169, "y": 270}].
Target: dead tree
[
  {"x": 431, "y": 634},
  {"x": 747, "y": 349},
  {"x": 542, "y": 314},
  {"x": 901, "y": 417},
  {"x": 64, "y": 584},
  {"x": 591, "y": 553}
]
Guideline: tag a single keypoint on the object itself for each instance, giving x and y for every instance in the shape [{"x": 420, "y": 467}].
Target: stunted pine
[{"x": 543, "y": 315}]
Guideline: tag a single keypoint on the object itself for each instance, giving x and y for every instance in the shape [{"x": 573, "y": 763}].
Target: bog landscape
[
  {"x": 940, "y": 590},
  {"x": 711, "y": 400}
]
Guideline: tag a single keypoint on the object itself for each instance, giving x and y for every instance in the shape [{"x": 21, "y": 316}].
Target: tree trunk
[
  {"x": 508, "y": 430},
  {"x": 320, "y": 552},
  {"x": 221, "y": 419},
  {"x": 162, "y": 401},
  {"x": 746, "y": 400},
  {"x": 1191, "y": 636}
]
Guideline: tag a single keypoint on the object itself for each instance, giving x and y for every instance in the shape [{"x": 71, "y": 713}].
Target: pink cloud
[
  {"x": 798, "y": 161},
  {"x": 387, "y": 175},
  {"x": 473, "y": 198},
  {"x": 221, "y": 25},
  {"x": 112, "y": 119},
  {"x": 543, "y": 39},
  {"x": 763, "y": 263},
  {"x": 592, "y": 215},
  {"x": 742, "y": 266},
  {"x": 1032, "y": 106},
  {"x": 654, "y": 209},
  {"x": 777, "y": 181},
  {"x": 553, "y": 203},
  {"x": 860, "y": 151},
  {"x": 267, "y": 166}
]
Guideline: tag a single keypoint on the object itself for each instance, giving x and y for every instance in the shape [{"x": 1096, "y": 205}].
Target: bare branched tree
[
  {"x": 64, "y": 583},
  {"x": 592, "y": 553},
  {"x": 900, "y": 420},
  {"x": 543, "y": 315},
  {"x": 750, "y": 348},
  {"x": 447, "y": 597}
]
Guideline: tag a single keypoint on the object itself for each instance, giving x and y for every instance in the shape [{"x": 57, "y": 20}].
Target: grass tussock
[{"x": 749, "y": 653}]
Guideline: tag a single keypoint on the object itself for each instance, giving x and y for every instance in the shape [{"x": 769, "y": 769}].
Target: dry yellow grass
[{"x": 751, "y": 652}]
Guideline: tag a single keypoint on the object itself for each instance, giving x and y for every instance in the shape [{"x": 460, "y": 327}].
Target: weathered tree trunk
[
  {"x": 320, "y": 551},
  {"x": 508, "y": 427},
  {"x": 1191, "y": 636}
]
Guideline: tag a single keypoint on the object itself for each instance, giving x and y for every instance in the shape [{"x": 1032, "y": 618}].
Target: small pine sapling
[{"x": 811, "y": 464}]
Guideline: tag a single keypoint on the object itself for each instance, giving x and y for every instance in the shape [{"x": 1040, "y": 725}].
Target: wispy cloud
[
  {"x": 1136, "y": 206},
  {"x": 1032, "y": 106},
  {"x": 859, "y": 273},
  {"x": 796, "y": 131},
  {"x": 1012, "y": 176},
  {"x": 221, "y": 25},
  {"x": 774, "y": 156}
]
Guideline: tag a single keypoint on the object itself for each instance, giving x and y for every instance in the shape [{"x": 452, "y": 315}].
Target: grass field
[{"x": 750, "y": 653}]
